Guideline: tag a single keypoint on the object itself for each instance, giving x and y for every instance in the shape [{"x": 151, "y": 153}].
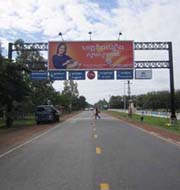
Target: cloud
[{"x": 138, "y": 20}]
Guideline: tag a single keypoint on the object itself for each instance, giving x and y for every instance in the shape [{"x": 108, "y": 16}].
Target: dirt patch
[
  {"x": 11, "y": 137},
  {"x": 161, "y": 132}
]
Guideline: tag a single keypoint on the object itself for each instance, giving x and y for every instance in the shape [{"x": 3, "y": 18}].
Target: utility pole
[
  {"x": 129, "y": 90},
  {"x": 124, "y": 97},
  {"x": 130, "y": 106}
]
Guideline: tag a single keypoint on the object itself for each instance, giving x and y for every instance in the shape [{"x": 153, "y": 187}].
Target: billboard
[
  {"x": 90, "y": 55},
  {"x": 143, "y": 74}
]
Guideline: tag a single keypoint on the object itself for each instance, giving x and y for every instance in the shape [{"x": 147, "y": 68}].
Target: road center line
[
  {"x": 104, "y": 186},
  {"x": 98, "y": 150},
  {"x": 95, "y": 136}
]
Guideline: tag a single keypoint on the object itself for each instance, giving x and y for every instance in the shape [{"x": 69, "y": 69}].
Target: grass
[
  {"x": 163, "y": 123},
  {"x": 28, "y": 121}
]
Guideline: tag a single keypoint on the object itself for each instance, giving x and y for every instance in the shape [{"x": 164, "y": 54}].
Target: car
[{"x": 46, "y": 113}]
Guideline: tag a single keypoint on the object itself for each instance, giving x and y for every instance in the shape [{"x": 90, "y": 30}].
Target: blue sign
[
  {"x": 39, "y": 75},
  {"x": 77, "y": 75},
  {"x": 105, "y": 75},
  {"x": 125, "y": 74},
  {"x": 57, "y": 75}
]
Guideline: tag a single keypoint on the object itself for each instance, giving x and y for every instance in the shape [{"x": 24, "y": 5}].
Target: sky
[{"x": 137, "y": 20}]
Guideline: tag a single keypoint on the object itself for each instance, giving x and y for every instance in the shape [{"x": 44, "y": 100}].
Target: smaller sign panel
[
  {"x": 57, "y": 75},
  {"x": 91, "y": 75},
  {"x": 39, "y": 75},
  {"x": 77, "y": 75},
  {"x": 105, "y": 75},
  {"x": 143, "y": 74},
  {"x": 125, "y": 74}
]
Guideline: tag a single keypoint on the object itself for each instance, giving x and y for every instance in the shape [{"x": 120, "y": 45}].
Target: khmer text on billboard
[{"x": 96, "y": 55}]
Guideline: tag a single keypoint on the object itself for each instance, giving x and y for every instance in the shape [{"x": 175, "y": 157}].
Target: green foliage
[
  {"x": 151, "y": 101},
  {"x": 70, "y": 98},
  {"x": 32, "y": 59},
  {"x": 14, "y": 86},
  {"x": 154, "y": 100},
  {"x": 19, "y": 95},
  {"x": 116, "y": 102},
  {"x": 102, "y": 104}
]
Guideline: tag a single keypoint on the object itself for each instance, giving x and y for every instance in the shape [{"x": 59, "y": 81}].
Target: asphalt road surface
[{"x": 84, "y": 154}]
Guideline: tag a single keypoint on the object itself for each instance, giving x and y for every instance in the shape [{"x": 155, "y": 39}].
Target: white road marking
[
  {"x": 158, "y": 136},
  {"x": 27, "y": 142}
]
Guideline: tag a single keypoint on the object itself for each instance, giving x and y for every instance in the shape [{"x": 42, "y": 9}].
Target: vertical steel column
[
  {"x": 171, "y": 74},
  {"x": 10, "y": 51}
]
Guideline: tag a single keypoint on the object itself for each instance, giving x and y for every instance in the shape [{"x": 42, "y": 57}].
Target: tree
[
  {"x": 14, "y": 86},
  {"x": 42, "y": 91},
  {"x": 116, "y": 102},
  {"x": 31, "y": 58},
  {"x": 71, "y": 91},
  {"x": 82, "y": 102}
]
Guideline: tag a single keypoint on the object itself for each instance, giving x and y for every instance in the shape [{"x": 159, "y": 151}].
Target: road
[{"x": 84, "y": 154}]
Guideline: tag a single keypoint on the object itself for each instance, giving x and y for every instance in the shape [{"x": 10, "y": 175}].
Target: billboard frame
[{"x": 162, "y": 64}]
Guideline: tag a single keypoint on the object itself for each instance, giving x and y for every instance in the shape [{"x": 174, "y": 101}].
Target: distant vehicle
[
  {"x": 86, "y": 109},
  {"x": 91, "y": 108},
  {"x": 46, "y": 113}
]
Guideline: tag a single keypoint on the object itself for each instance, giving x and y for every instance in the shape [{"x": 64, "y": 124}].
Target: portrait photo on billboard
[{"x": 90, "y": 55}]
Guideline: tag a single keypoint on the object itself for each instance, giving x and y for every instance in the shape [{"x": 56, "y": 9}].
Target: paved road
[{"x": 83, "y": 154}]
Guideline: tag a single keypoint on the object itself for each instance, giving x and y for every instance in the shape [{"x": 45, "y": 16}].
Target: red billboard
[{"x": 90, "y": 55}]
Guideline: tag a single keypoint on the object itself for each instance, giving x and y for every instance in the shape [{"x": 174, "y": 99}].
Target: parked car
[{"x": 46, "y": 113}]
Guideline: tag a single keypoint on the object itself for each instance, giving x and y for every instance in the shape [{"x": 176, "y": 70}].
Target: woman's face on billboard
[{"x": 62, "y": 50}]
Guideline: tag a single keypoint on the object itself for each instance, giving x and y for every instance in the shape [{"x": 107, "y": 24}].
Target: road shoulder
[
  {"x": 159, "y": 132},
  {"x": 12, "y": 137}
]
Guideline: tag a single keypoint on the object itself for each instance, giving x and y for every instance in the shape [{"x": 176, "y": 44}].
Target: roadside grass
[
  {"x": 153, "y": 121},
  {"x": 28, "y": 121}
]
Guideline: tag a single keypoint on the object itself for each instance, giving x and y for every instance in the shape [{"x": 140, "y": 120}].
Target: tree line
[
  {"x": 19, "y": 95},
  {"x": 159, "y": 100}
]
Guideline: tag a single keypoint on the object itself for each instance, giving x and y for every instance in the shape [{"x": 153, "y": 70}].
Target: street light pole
[
  {"x": 120, "y": 33},
  {"x": 60, "y": 34},
  {"x": 90, "y": 35}
]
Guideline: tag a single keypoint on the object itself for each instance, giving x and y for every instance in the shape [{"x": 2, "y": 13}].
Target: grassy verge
[
  {"x": 28, "y": 121},
  {"x": 153, "y": 121}
]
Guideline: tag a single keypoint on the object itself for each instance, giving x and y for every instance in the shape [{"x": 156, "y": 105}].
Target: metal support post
[
  {"x": 173, "y": 115},
  {"x": 10, "y": 51}
]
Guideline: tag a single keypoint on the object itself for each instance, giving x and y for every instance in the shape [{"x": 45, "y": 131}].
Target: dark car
[{"x": 46, "y": 113}]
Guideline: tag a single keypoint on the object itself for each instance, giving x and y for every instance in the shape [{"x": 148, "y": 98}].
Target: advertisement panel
[
  {"x": 143, "y": 74},
  {"x": 90, "y": 55}
]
